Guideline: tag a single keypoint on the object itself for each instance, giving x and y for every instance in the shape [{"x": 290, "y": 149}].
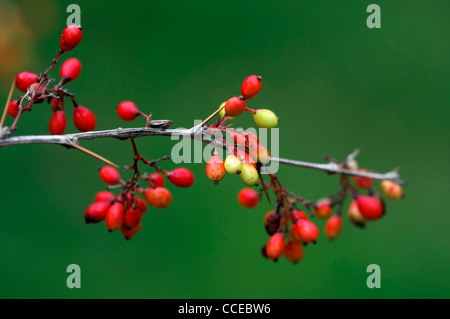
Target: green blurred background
[{"x": 335, "y": 84}]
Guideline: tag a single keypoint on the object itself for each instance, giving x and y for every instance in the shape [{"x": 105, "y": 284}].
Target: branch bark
[{"x": 161, "y": 128}]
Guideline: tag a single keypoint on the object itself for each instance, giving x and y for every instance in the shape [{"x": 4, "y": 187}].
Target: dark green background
[{"x": 335, "y": 84}]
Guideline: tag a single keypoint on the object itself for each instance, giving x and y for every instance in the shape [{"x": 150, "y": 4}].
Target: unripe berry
[
  {"x": 305, "y": 230},
  {"x": 57, "y": 124},
  {"x": 265, "y": 118},
  {"x": 132, "y": 217},
  {"x": 96, "y": 212},
  {"x": 370, "y": 208},
  {"x": 84, "y": 119},
  {"x": 391, "y": 189},
  {"x": 127, "y": 111},
  {"x": 25, "y": 79},
  {"x": 13, "y": 108},
  {"x": 215, "y": 169},
  {"x": 259, "y": 152},
  {"x": 275, "y": 246},
  {"x": 104, "y": 196},
  {"x": 129, "y": 233},
  {"x": 158, "y": 197},
  {"x": 71, "y": 68},
  {"x": 70, "y": 37},
  {"x": 248, "y": 198},
  {"x": 246, "y": 158},
  {"x": 363, "y": 182},
  {"x": 293, "y": 252},
  {"x": 109, "y": 175},
  {"x": 352, "y": 164},
  {"x": 333, "y": 227},
  {"x": 114, "y": 217},
  {"x": 355, "y": 215},
  {"x": 251, "y": 86},
  {"x": 156, "y": 179},
  {"x": 232, "y": 164},
  {"x": 235, "y": 106},
  {"x": 249, "y": 174},
  {"x": 222, "y": 112},
  {"x": 181, "y": 177},
  {"x": 322, "y": 210}
]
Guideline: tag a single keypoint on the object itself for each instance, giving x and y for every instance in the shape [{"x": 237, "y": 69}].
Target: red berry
[
  {"x": 109, "y": 175},
  {"x": 56, "y": 104},
  {"x": 369, "y": 207},
  {"x": 39, "y": 89},
  {"x": 141, "y": 205},
  {"x": 70, "y": 37},
  {"x": 293, "y": 252},
  {"x": 298, "y": 214},
  {"x": 181, "y": 177},
  {"x": 363, "y": 182},
  {"x": 104, "y": 196},
  {"x": 251, "y": 86},
  {"x": 272, "y": 222},
  {"x": 127, "y": 111},
  {"x": 129, "y": 233},
  {"x": 158, "y": 197},
  {"x": 84, "y": 119},
  {"x": 323, "y": 210},
  {"x": 114, "y": 217},
  {"x": 132, "y": 217},
  {"x": 71, "y": 68},
  {"x": 156, "y": 179},
  {"x": 96, "y": 212},
  {"x": 215, "y": 169},
  {"x": 275, "y": 246},
  {"x": 247, "y": 197},
  {"x": 13, "y": 108},
  {"x": 305, "y": 231},
  {"x": 57, "y": 123},
  {"x": 235, "y": 106},
  {"x": 333, "y": 227},
  {"x": 25, "y": 79}
]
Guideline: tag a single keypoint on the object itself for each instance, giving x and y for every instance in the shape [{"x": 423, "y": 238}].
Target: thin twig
[{"x": 5, "y": 110}]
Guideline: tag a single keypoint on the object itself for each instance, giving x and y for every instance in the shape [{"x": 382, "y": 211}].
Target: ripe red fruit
[
  {"x": 127, "y": 111},
  {"x": 272, "y": 222},
  {"x": 247, "y": 197},
  {"x": 305, "y": 231},
  {"x": 57, "y": 124},
  {"x": 235, "y": 106},
  {"x": 13, "y": 108},
  {"x": 215, "y": 169},
  {"x": 56, "y": 104},
  {"x": 156, "y": 179},
  {"x": 129, "y": 233},
  {"x": 181, "y": 177},
  {"x": 25, "y": 79},
  {"x": 275, "y": 246},
  {"x": 363, "y": 182},
  {"x": 158, "y": 197},
  {"x": 104, "y": 196},
  {"x": 298, "y": 214},
  {"x": 333, "y": 227},
  {"x": 293, "y": 252},
  {"x": 96, "y": 212},
  {"x": 70, "y": 37},
  {"x": 84, "y": 119},
  {"x": 132, "y": 217},
  {"x": 369, "y": 207},
  {"x": 114, "y": 217},
  {"x": 71, "y": 68},
  {"x": 109, "y": 175},
  {"x": 251, "y": 86},
  {"x": 323, "y": 210},
  {"x": 141, "y": 205}
]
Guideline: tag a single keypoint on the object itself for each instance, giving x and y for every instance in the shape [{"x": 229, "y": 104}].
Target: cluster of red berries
[
  {"x": 37, "y": 90},
  {"x": 290, "y": 228},
  {"x": 124, "y": 211}
]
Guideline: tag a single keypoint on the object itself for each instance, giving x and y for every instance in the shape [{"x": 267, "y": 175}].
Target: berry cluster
[
  {"x": 124, "y": 211},
  {"x": 37, "y": 89}
]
